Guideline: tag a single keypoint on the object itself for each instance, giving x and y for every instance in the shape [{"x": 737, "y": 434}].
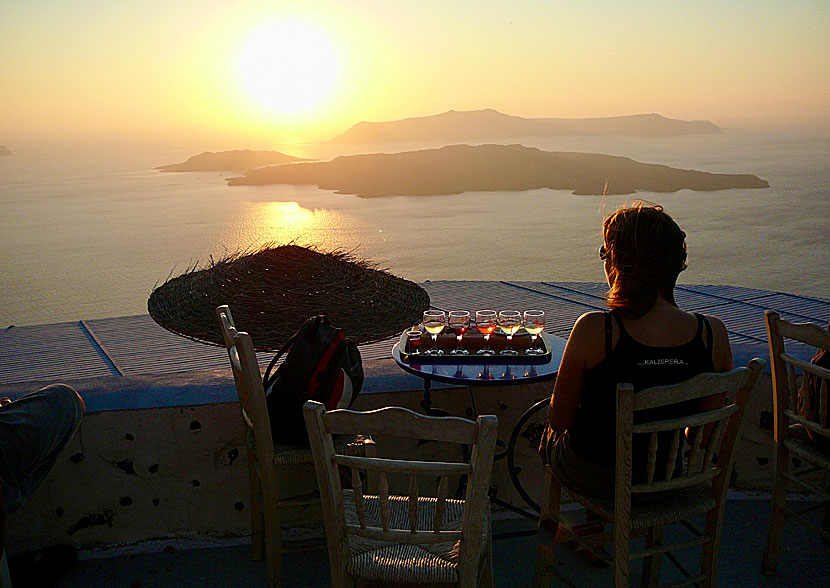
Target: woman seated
[{"x": 645, "y": 340}]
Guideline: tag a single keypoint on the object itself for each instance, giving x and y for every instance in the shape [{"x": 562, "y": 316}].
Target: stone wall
[{"x": 133, "y": 475}]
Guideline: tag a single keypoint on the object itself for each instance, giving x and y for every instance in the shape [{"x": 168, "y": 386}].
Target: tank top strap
[
  {"x": 623, "y": 332},
  {"x": 701, "y": 322}
]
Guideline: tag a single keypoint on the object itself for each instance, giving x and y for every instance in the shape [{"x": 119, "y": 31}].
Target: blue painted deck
[{"x": 131, "y": 349}]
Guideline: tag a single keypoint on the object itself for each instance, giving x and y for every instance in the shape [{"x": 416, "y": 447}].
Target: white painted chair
[
  {"x": 792, "y": 431},
  {"x": 421, "y": 538},
  {"x": 674, "y": 496},
  {"x": 268, "y": 463}
]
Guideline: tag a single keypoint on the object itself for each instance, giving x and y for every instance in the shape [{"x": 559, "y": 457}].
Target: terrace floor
[
  {"x": 804, "y": 562},
  {"x": 134, "y": 346}
]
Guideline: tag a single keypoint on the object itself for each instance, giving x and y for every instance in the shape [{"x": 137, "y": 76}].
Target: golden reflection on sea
[{"x": 284, "y": 222}]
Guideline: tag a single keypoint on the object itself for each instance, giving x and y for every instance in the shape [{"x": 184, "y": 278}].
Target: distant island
[
  {"x": 239, "y": 160},
  {"x": 490, "y": 124},
  {"x": 463, "y": 168},
  {"x": 4, "y": 152}
]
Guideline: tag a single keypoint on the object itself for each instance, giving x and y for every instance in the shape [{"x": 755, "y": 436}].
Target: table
[{"x": 494, "y": 371}]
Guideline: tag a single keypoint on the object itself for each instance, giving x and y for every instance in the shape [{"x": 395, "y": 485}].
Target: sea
[{"x": 88, "y": 232}]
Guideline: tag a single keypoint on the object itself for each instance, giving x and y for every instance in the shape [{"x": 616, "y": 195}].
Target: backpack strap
[
  {"x": 323, "y": 364},
  {"x": 269, "y": 378}
]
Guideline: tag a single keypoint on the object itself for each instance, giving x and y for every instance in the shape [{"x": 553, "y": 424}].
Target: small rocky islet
[
  {"x": 237, "y": 160},
  {"x": 483, "y": 168}
]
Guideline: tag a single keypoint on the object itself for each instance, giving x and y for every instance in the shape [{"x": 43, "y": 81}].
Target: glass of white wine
[
  {"x": 534, "y": 323},
  {"x": 434, "y": 322},
  {"x": 509, "y": 322}
]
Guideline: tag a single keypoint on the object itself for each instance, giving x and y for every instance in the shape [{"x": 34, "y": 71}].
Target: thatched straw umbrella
[{"x": 271, "y": 293}]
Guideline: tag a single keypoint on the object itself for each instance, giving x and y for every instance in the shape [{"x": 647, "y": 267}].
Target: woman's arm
[
  {"x": 722, "y": 358},
  {"x": 721, "y": 350},
  {"x": 585, "y": 348}
]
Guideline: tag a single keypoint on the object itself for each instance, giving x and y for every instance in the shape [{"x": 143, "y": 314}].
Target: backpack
[{"x": 318, "y": 354}]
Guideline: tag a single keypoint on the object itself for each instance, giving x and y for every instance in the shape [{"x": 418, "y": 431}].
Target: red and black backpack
[{"x": 321, "y": 364}]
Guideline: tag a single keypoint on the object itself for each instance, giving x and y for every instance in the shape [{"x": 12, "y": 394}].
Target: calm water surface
[{"x": 88, "y": 235}]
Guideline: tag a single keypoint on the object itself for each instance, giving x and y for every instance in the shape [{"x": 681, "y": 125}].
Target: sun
[{"x": 288, "y": 66}]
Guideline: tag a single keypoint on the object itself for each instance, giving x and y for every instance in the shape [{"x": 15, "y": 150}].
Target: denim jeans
[{"x": 34, "y": 430}]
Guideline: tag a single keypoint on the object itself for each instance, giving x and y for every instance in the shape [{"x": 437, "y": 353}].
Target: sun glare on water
[{"x": 288, "y": 66}]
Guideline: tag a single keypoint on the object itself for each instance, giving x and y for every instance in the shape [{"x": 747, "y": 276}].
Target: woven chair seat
[
  {"x": 800, "y": 444},
  {"x": 297, "y": 455},
  {"x": 676, "y": 506},
  {"x": 395, "y": 562}
]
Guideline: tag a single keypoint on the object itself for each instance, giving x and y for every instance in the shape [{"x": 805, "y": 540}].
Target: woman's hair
[{"x": 645, "y": 251}]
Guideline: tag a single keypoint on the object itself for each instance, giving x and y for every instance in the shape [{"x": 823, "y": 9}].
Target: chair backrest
[
  {"x": 713, "y": 433},
  {"x": 480, "y": 436},
  {"x": 249, "y": 387},
  {"x": 785, "y": 372}
]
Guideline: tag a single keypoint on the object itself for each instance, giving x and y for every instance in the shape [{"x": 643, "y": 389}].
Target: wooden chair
[
  {"x": 420, "y": 538},
  {"x": 673, "y": 496},
  {"x": 791, "y": 431},
  {"x": 268, "y": 463}
]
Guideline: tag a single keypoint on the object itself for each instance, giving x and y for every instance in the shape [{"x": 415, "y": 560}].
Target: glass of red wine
[
  {"x": 458, "y": 321},
  {"x": 413, "y": 339}
]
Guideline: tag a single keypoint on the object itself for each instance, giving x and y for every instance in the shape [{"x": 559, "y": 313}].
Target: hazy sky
[{"x": 235, "y": 74}]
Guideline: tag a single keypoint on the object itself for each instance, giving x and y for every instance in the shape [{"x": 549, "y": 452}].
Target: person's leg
[{"x": 34, "y": 430}]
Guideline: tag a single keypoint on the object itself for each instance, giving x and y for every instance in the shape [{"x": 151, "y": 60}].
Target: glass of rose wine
[
  {"x": 509, "y": 323},
  {"x": 434, "y": 322},
  {"x": 534, "y": 323},
  {"x": 486, "y": 321},
  {"x": 459, "y": 322}
]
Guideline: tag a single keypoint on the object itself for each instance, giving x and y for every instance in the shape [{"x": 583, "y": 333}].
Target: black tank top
[{"x": 592, "y": 435}]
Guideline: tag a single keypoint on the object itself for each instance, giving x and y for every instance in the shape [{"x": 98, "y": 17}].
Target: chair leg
[
  {"x": 543, "y": 573},
  {"x": 257, "y": 536},
  {"x": 622, "y": 552},
  {"x": 487, "y": 572},
  {"x": 651, "y": 565},
  {"x": 546, "y": 535},
  {"x": 5, "y": 580},
  {"x": 273, "y": 538},
  {"x": 826, "y": 525},
  {"x": 775, "y": 527}
]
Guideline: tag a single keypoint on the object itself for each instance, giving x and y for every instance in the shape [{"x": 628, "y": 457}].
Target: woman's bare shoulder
[
  {"x": 590, "y": 322},
  {"x": 589, "y": 330}
]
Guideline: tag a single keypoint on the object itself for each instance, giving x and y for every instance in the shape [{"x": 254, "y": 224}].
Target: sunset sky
[{"x": 258, "y": 73}]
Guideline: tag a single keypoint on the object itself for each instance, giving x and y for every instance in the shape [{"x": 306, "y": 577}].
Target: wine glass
[
  {"x": 413, "y": 341},
  {"x": 434, "y": 321},
  {"x": 509, "y": 323},
  {"x": 534, "y": 323},
  {"x": 486, "y": 321},
  {"x": 459, "y": 322}
]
